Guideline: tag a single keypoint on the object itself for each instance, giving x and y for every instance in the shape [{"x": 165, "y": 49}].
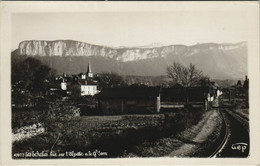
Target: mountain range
[{"x": 218, "y": 61}]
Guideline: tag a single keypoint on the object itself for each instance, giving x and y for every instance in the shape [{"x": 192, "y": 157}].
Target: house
[
  {"x": 239, "y": 92},
  {"x": 129, "y": 100},
  {"x": 88, "y": 87},
  {"x": 214, "y": 93},
  {"x": 82, "y": 76},
  {"x": 86, "y": 75},
  {"x": 83, "y": 81},
  {"x": 63, "y": 85},
  {"x": 214, "y": 90}
]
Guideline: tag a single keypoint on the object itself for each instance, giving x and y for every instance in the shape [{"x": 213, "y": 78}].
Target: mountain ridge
[
  {"x": 216, "y": 60},
  {"x": 142, "y": 46}
]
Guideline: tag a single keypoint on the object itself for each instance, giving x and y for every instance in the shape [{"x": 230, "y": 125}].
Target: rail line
[
  {"x": 225, "y": 139},
  {"x": 236, "y": 136}
]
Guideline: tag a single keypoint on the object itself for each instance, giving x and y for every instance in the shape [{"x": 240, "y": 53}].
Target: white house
[
  {"x": 88, "y": 86},
  {"x": 88, "y": 90},
  {"x": 82, "y": 76},
  {"x": 64, "y": 85},
  {"x": 219, "y": 92}
]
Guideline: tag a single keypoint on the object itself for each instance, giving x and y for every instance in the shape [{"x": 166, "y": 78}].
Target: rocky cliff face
[
  {"x": 63, "y": 48},
  {"x": 76, "y": 48},
  {"x": 217, "y": 60}
]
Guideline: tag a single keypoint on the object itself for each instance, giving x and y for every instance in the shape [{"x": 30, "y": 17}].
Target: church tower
[{"x": 89, "y": 72}]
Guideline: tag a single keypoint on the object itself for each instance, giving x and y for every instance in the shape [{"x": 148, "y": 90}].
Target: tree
[
  {"x": 16, "y": 68},
  {"x": 204, "y": 81},
  {"x": 239, "y": 84},
  {"x": 30, "y": 74},
  {"x": 30, "y": 79},
  {"x": 110, "y": 80},
  {"x": 185, "y": 76}
]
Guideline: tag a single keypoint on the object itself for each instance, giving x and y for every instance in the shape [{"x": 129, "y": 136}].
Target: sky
[{"x": 132, "y": 28}]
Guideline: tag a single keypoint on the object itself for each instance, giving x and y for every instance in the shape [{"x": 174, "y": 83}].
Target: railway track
[
  {"x": 235, "y": 142},
  {"x": 224, "y": 140}
]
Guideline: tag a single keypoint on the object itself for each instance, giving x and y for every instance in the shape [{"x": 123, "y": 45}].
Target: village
[
  {"x": 141, "y": 99},
  {"x": 103, "y": 105},
  {"x": 144, "y": 99}
]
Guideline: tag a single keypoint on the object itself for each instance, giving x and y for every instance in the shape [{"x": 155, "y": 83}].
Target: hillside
[{"x": 219, "y": 61}]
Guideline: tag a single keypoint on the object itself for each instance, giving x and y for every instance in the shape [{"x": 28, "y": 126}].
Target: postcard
[{"x": 129, "y": 83}]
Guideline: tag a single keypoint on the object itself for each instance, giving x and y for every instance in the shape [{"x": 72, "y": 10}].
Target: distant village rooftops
[{"x": 86, "y": 82}]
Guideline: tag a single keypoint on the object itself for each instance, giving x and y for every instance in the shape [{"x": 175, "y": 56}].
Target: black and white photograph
[{"x": 109, "y": 84}]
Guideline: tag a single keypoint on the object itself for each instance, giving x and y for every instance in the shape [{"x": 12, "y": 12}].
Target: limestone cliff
[
  {"x": 76, "y": 48},
  {"x": 217, "y": 60},
  {"x": 64, "y": 48}
]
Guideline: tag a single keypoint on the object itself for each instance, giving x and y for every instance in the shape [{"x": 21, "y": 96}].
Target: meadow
[{"x": 117, "y": 136}]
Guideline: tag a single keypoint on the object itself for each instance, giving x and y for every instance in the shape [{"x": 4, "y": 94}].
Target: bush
[
  {"x": 181, "y": 119},
  {"x": 58, "y": 121},
  {"x": 25, "y": 116}
]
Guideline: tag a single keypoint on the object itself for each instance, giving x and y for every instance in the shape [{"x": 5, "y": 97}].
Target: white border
[{"x": 7, "y": 8}]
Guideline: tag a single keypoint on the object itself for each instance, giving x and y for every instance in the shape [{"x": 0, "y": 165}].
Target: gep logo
[{"x": 239, "y": 146}]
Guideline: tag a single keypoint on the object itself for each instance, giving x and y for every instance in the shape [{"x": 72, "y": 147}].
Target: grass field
[{"x": 118, "y": 136}]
